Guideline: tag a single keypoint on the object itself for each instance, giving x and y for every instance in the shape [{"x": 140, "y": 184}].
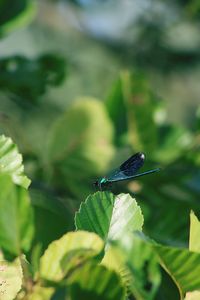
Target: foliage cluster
[
  {"x": 106, "y": 257},
  {"x": 54, "y": 245}
]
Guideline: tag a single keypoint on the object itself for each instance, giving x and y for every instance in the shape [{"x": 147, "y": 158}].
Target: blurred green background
[{"x": 84, "y": 84}]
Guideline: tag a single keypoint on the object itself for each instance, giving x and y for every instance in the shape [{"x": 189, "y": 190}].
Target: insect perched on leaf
[{"x": 127, "y": 170}]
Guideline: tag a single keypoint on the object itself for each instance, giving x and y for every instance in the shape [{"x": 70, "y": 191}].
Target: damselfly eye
[{"x": 95, "y": 183}]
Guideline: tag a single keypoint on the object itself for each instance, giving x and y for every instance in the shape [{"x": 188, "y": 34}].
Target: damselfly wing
[{"x": 128, "y": 170}]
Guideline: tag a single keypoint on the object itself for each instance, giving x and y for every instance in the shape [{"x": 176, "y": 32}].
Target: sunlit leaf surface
[
  {"x": 11, "y": 162},
  {"x": 194, "y": 245},
  {"x": 10, "y": 278},
  {"x": 194, "y": 242},
  {"x": 109, "y": 216}
]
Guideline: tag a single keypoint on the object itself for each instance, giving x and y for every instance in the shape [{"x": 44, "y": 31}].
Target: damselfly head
[{"x": 96, "y": 183}]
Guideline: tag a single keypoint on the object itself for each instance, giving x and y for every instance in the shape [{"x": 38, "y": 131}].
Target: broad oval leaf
[
  {"x": 95, "y": 282},
  {"x": 11, "y": 162},
  {"x": 68, "y": 252},
  {"x": 141, "y": 105},
  {"x": 80, "y": 145},
  {"x": 10, "y": 278},
  {"x": 16, "y": 217},
  {"x": 109, "y": 216}
]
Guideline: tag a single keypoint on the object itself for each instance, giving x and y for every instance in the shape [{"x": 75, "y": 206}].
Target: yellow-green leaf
[
  {"x": 80, "y": 144},
  {"x": 68, "y": 252},
  {"x": 193, "y": 295},
  {"x": 10, "y": 278},
  {"x": 41, "y": 293},
  {"x": 194, "y": 243}
]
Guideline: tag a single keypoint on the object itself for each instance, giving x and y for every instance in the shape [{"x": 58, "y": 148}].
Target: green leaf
[
  {"x": 61, "y": 293},
  {"x": 41, "y": 293},
  {"x": 52, "y": 218},
  {"x": 116, "y": 108},
  {"x": 132, "y": 105},
  {"x": 10, "y": 278},
  {"x": 95, "y": 282},
  {"x": 15, "y": 13},
  {"x": 67, "y": 253},
  {"x": 100, "y": 214},
  {"x": 161, "y": 196},
  {"x": 194, "y": 243},
  {"x": 80, "y": 142},
  {"x": 28, "y": 79},
  {"x": 108, "y": 216},
  {"x": 181, "y": 140},
  {"x": 16, "y": 217},
  {"x": 11, "y": 162},
  {"x": 114, "y": 260},
  {"x": 142, "y": 128},
  {"x": 167, "y": 288},
  {"x": 142, "y": 264},
  {"x": 182, "y": 265}
]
